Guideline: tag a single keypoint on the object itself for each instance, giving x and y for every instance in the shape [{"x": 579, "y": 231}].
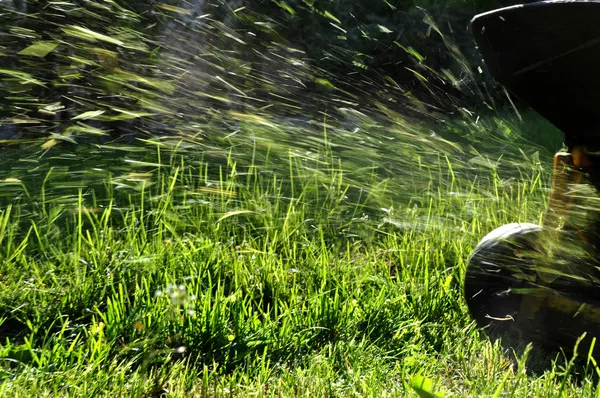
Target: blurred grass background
[{"x": 256, "y": 198}]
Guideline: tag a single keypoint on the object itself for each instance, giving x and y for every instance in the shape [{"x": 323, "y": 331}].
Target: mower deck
[{"x": 547, "y": 53}]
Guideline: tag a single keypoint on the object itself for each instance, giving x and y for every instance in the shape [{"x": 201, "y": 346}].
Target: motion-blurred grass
[
  {"x": 282, "y": 260},
  {"x": 191, "y": 206}
]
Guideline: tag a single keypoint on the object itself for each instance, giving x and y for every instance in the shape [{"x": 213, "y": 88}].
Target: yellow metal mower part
[{"x": 566, "y": 173}]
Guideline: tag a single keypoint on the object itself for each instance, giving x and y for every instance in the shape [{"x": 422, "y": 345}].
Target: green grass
[{"x": 278, "y": 261}]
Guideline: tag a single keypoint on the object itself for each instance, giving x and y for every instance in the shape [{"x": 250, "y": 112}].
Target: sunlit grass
[
  {"x": 271, "y": 222},
  {"x": 260, "y": 268}
]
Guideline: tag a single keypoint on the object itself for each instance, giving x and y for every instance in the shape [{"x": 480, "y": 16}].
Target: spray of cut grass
[{"x": 256, "y": 270}]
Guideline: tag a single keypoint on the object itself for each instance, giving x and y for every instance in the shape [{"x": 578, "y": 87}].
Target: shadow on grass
[
  {"x": 538, "y": 359},
  {"x": 12, "y": 329}
]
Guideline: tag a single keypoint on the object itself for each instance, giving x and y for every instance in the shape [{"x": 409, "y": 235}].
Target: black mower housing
[{"x": 548, "y": 54}]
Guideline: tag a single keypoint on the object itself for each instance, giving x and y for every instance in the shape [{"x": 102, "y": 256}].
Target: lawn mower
[{"x": 535, "y": 283}]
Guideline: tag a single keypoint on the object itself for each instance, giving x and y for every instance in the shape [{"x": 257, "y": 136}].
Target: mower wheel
[{"x": 498, "y": 268}]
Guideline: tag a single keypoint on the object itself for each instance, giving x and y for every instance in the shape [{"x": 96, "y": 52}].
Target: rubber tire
[
  {"x": 490, "y": 277},
  {"x": 498, "y": 273}
]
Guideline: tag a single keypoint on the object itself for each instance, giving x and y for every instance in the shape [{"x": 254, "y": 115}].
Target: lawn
[{"x": 286, "y": 259}]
